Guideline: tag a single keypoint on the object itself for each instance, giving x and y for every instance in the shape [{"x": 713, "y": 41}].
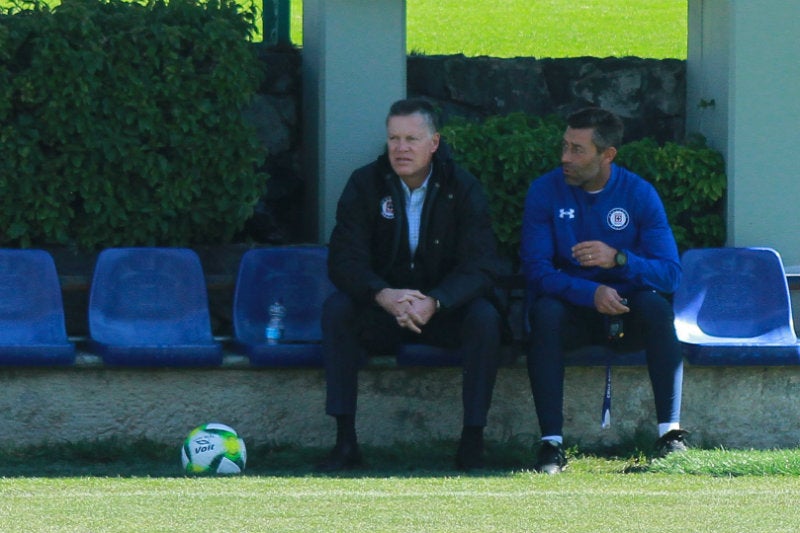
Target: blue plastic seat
[
  {"x": 149, "y": 307},
  {"x": 32, "y": 327},
  {"x": 412, "y": 354},
  {"x": 733, "y": 308},
  {"x": 297, "y": 276},
  {"x": 602, "y": 355}
]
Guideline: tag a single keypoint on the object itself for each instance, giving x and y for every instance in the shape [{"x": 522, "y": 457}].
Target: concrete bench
[{"x": 735, "y": 407}]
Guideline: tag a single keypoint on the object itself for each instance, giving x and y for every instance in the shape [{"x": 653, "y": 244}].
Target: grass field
[
  {"x": 138, "y": 487},
  {"x": 541, "y": 28},
  {"x": 511, "y": 503},
  {"x": 532, "y": 28}
]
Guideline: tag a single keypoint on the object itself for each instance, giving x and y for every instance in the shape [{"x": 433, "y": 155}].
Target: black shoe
[
  {"x": 470, "y": 452},
  {"x": 551, "y": 458},
  {"x": 673, "y": 441},
  {"x": 343, "y": 457}
]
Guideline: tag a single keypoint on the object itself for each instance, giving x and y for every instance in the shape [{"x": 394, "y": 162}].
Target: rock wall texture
[{"x": 648, "y": 94}]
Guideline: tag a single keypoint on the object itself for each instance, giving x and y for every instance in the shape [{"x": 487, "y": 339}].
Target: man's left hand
[{"x": 594, "y": 254}]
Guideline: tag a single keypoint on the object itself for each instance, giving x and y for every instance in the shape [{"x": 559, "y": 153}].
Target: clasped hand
[{"x": 411, "y": 308}]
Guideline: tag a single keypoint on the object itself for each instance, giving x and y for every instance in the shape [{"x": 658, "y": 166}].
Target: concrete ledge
[{"x": 735, "y": 407}]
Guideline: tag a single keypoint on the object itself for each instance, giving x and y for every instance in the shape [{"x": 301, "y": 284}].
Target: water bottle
[{"x": 274, "y": 331}]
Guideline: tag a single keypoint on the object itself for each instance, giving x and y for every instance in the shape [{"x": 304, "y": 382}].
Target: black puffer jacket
[{"x": 456, "y": 259}]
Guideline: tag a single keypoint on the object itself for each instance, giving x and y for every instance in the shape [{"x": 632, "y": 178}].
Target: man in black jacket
[{"x": 413, "y": 256}]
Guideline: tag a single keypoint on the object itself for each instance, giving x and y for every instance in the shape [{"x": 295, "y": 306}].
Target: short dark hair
[
  {"x": 608, "y": 127},
  {"x": 409, "y": 106}
]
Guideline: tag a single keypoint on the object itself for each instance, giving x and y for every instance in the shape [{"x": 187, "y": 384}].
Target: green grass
[
  {"x": 137, "y": 486},
  {"x": 533, "y": 28},
  {"x": 513, "y": 503},
  {"x": 541, "y": 28}
]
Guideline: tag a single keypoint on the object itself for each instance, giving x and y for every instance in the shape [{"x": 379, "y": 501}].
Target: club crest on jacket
[
  {"x": 387, "y": 208},
  {"x": 618, "y": 218}
]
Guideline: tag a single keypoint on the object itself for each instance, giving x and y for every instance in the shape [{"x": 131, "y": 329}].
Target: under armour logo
[{"x": 568, "y": 213}]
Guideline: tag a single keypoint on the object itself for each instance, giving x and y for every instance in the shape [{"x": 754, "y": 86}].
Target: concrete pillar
[
  {"x": 354, "y": 67},
  {"x": 742, "y": 94}
]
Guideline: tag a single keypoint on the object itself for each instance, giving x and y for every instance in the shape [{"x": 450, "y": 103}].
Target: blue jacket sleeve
[
  {"x": 653, "y": 263},
  {"x": 539, "y": 250}
]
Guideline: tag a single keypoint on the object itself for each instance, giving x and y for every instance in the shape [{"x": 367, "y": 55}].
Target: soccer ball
[{"x": 213, "y": 449}]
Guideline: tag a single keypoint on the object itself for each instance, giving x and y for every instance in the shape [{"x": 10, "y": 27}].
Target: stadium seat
[
  {"x": 426, "y": 355},
  {"x": 149, "y": 307},
  {"x": 32, "y": 327},
  {"x": 297, "y": 276},
  {"x": 733, "y": 308},
  {"x": 602, "y": 355}
]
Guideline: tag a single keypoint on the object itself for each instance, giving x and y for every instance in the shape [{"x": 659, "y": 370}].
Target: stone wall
[{"x": 649, "y": 95}]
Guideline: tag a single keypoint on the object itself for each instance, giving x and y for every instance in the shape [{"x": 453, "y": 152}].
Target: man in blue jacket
[
  {"x": 596, "y": 244},
  {"x": 413, "y": 256}
]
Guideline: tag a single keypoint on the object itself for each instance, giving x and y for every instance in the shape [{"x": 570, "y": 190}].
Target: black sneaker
[
  {"x": 470, "y": 452},
  {"x": 673, "y": 441},
  {"x": 551, "y": 458}
]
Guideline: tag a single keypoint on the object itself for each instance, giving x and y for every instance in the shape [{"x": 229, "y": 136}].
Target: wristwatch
[{"x": 621, "y": 258}]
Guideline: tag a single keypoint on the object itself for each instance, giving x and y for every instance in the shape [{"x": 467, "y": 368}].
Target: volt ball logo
[
  {"x": 202, "y": 444},
  {"x": 213, "y": 449}
]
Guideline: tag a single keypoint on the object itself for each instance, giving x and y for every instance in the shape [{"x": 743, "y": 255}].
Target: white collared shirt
[{"x": 414, "y": 201}]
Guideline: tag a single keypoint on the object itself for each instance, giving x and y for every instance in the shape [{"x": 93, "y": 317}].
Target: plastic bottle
[{"x": 274, "y": 330}]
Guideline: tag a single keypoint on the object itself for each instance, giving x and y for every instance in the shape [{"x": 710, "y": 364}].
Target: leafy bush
[
  {"x": 507, "y": 152},
  {"x": 690, "y": 178},
  {"x": 121, "y": 123}
]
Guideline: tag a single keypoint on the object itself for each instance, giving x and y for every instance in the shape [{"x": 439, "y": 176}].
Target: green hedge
[
  {"x": 121, "y": 123},
  {"x": 691, "y": 180},
  {"x": 507, "y": 152}
]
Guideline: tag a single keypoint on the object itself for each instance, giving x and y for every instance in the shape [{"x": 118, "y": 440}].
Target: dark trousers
[
  {"x": 557, "y": 326},
  {"x": 351, "y": 332}
]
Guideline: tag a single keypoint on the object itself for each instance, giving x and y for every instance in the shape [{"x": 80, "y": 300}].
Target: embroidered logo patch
[
  {"x": 387, "y": 208},
  {"x": 618, "y": 218},
  {"x": 566, "y": 213}
]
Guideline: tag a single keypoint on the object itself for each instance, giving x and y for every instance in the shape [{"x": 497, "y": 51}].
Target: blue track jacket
[{"x": 627, "y": 215}]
